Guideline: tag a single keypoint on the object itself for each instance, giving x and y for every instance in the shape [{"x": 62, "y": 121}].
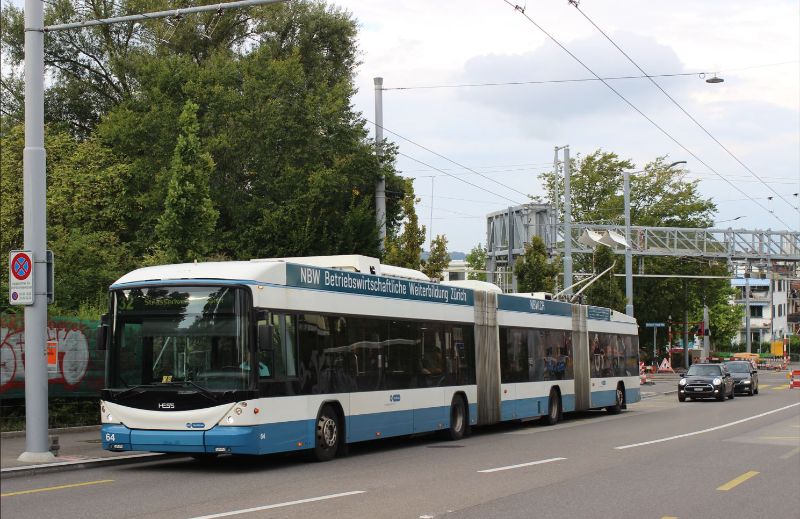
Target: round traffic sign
[{"x": 21, "y": 266}]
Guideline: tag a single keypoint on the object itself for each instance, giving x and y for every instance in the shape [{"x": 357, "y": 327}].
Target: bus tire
[
  {"x": 553, "y": 408},
  {"x": 619, "y": 400},
  {"x": 327, "y": 434},
  {"x": 458, "y": 419}
]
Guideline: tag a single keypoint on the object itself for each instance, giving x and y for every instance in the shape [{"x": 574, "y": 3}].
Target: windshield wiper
[
  {"x": 132, "y": 389},
  {"x": 203, "y": 391}
]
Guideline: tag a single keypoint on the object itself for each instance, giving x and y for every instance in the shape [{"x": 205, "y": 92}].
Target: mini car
[
  {"x": 706, "y": 381},
  {"x": 745, "y": 376}
]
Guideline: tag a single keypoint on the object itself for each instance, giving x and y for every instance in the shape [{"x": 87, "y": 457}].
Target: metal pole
[
  {"x": 35, "y": 233},
  {"x": 655, "y": 329},
  {"x": 685, "y": 325},
  {"x": 567, "y": 224},
  {"x": 747, "y": 307},
  {"x": 430, "y": 230},
  {"x": 556, "y": 202},
  {"x": 380, "y": 185},
  {"x": 706, "y": 334},
  {"x": 626, "y": 190}
]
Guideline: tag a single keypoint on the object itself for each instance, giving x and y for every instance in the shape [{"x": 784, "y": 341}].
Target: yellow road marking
[
  {"x": 60, "y": 487},
  {"x": 785, "y": 386},
  {"x": 764, "y": 386},
  {"x": 741, "y": 479},
  {"x": 791, "y": 453},
  {"x": 669, "y": 517},
  {"x": 779, "y": 438}
]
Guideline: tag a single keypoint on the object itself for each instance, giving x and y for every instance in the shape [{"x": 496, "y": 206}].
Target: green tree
[
  {"x": 404, "y": 249},
  {"x": 476, "y": 260},
  {"x": 185, "y": 227},
  {"x": 533, "y": 270},
  {"x": 606, "y": 290},
  {"x": 438, "y": 259}
]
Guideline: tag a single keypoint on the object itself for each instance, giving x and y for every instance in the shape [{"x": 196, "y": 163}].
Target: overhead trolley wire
[
  {"x": 521, "y": 10},
  {"x": 676, "y": 103},
  {"x": 453, "y": 162}
]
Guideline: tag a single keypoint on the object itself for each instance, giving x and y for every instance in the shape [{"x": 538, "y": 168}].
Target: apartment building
[{"x": 769, "y": 308}]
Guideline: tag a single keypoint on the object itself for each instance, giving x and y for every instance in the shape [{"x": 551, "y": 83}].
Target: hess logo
[{"x": 166, "y": 405}]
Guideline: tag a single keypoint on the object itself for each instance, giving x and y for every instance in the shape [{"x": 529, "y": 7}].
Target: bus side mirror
[
  {"x": 263, "y": 331},
  {"x": 102, "y": 333}
]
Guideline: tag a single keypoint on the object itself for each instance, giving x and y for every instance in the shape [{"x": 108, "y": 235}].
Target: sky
[{"x": 508, "y": 133}]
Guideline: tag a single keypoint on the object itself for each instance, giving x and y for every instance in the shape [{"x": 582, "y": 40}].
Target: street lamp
[{"x": 628, "y": 258}]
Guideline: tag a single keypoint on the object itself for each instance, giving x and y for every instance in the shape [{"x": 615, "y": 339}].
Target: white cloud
[{"x": 755, "y": 112}]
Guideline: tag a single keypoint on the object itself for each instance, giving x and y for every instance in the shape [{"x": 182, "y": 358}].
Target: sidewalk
[{"x": 79, "y": 447}]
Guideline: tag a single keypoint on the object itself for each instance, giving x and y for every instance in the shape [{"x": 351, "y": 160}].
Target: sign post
[{"x": 655, "y": 327}]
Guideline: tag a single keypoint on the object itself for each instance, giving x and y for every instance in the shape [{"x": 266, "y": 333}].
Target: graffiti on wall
[{"x": 75, "y": 366}]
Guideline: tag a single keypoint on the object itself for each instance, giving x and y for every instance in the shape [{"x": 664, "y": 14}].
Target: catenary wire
[
  {"x": 451, "y": 161},
  {"x": 676, "y": 103},
  {"x": 521, "y": 10}
]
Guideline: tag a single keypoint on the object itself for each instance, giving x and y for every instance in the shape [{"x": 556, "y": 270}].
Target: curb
[
  {"x": 59, "y": 430},
  {"x": 63, "y": 466}
]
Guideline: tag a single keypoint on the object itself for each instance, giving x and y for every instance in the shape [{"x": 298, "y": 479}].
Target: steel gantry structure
[{"x": 508, "y": 231}]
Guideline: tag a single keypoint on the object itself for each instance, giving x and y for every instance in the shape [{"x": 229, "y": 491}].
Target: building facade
[{"x": 768, "y": 309}]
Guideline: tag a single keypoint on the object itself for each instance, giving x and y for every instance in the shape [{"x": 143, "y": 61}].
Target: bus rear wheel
[
  {"x": 553, "y": 408},
  {"x": 458, "y": 419},
  {"x": 327, "y": 434},
  {"x": 619, "y": 400}
]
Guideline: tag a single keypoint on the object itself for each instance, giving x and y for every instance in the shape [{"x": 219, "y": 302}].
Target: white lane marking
[
  {"x": 704, "y": 430},
  {"x": 498, "y": 469},
  {"x": 280, "y": 505}
]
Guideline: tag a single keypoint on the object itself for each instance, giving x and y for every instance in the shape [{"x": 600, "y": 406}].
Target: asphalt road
[{"x": 660, "y": 458}]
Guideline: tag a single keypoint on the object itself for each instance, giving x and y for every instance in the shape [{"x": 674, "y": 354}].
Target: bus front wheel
[{"x": 327, "y": 434}]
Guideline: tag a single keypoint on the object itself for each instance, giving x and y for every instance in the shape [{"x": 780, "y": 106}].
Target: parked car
[
  {"x": 745, "y": 376},
  {"x": 706, "y": 381}
]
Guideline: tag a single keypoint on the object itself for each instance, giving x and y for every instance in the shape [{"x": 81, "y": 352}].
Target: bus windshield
[{"x": 171, "y": 335}]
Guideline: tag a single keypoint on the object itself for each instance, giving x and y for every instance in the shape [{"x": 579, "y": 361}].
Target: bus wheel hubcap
[{"x": 327, "y": 431}]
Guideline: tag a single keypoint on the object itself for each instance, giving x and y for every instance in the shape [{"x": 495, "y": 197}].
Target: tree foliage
[
  {"x": 533, "y": 270},
  {"x": 438, "y": 259},
  {"x": 404, "y": 249},
  {"x": 294, "y": 169},
  {"x": 476, "y": 260},
  {"x": 185, "y": 227}
]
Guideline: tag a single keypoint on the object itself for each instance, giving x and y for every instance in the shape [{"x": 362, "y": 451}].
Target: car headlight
[
  {"x": 682, "y": 382},
  {"x": 747, "y": 381},
  {"x": 717, "y": 381}
]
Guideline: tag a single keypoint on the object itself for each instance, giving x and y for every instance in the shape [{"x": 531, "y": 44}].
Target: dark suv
[
  {"x": 745, "y": 376},
  {"x": 706, "y": 381}
]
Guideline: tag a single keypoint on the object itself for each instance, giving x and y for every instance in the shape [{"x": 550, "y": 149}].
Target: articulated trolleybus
[{"x": 265, "y": 356}]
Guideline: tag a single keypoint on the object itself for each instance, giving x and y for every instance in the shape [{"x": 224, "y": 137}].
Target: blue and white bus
[{"x": 276, "y": 355}]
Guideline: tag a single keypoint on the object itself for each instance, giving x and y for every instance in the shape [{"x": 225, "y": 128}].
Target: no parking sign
[{"x": 20, "y": 277}]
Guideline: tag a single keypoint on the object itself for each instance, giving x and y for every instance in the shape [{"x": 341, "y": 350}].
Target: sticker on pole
[{"x": 20, "y": 277}]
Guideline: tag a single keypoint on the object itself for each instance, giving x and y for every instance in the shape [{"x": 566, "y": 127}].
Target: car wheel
[
  {"x": 721, "y": 397},
  {"x": 755, "y": 391},
  {"x": 681, "y": 398},
  {"x": 733, "y": 394},
  {"x": 752, "y": 390},
  {"x": 327, "y": 434}
]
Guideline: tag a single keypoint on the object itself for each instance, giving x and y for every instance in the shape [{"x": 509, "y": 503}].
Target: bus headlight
[
  {"x": 109, "y": 417},
  {"x": 229, "y": 419}
]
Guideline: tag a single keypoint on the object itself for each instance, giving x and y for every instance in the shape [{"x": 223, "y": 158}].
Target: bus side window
[{"x": 280, "y": 357}]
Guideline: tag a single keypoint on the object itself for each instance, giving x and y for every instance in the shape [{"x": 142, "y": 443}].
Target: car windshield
[
  {"x": 739, "y": 367},
  {"x": 704, "y": 371},
  {"x": 178, "y": 334}
]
